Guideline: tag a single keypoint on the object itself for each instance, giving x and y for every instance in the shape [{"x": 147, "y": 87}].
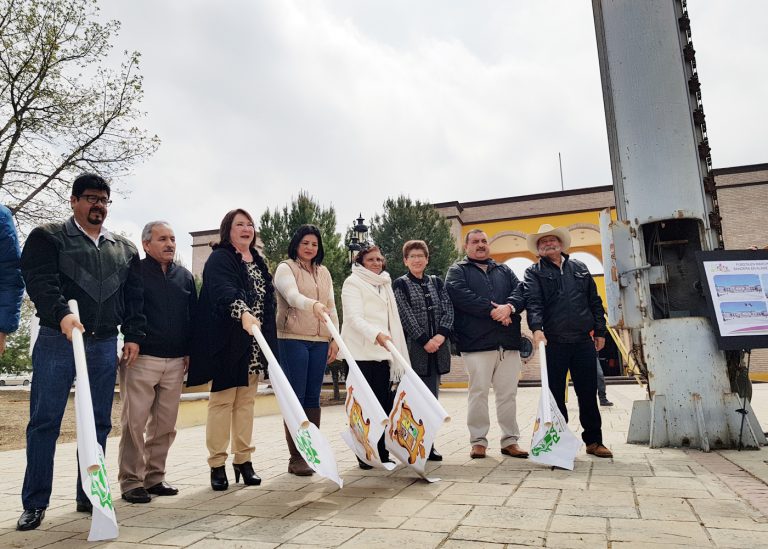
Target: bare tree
[{"x": 62, "y": 111}]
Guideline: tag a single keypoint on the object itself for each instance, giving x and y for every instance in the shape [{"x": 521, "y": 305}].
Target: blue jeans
[
  {"x": 53, "y": 365},
  {"x": 304, "y": 366}
]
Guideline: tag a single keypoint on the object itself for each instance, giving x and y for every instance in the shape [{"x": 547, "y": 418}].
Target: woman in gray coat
[{"x": 426, "y": 314}]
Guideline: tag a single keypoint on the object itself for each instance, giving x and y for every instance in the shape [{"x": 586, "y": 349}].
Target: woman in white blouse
[
  {"x": 304, "y": 294},
  {"x": 370, "y": 320}
]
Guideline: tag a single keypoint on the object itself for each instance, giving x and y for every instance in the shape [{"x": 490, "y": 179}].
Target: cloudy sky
[{"x": 355, "y": 101}]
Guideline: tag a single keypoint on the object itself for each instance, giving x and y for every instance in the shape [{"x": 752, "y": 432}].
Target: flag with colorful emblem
[
  {"x": 90, "y": 454},
  {"x": 310, "y": 442},
  {"x": 366, "y": 419},
  {"x": 552, "y": 443},
  {"x": 415, "y": 419}
]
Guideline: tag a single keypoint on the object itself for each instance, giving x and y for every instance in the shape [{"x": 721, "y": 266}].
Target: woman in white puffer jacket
[{"x": 370, "y": 320}]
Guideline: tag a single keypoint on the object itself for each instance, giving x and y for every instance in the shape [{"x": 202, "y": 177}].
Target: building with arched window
[{"x": 742, "y": 193}]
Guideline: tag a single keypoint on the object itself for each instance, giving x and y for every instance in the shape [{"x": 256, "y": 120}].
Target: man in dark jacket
[
  {"x": 150, "y": 389},
  {"x": 11, "y": 283},
  {"x": 487, "y": 299},
  {"x": 563, "y": 303},
  {"x": 78, "y": 259}
]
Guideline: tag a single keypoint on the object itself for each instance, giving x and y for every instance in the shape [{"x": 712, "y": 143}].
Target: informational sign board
[{"x": 735, "y": 283}]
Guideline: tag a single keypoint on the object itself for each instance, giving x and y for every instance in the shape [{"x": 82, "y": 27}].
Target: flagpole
[
  {"x": 83, "y": 391},
  {"x": 303, "y": 422},
  {"x": 547, "y": 419},
  {"x": 347, "y": 354},
  {"x": 401, "y": 359}
]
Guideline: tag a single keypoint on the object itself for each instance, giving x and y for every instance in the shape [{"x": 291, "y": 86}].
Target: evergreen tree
[
  {"x": 404, "y": 219},
  {"x": 278, "y": 226}
]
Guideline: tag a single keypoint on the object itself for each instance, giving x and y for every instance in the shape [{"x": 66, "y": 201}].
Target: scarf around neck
[{"x": 383, "y": 283}]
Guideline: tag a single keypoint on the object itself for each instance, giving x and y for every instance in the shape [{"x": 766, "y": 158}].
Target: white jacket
[{"x": 365, "y": 316}]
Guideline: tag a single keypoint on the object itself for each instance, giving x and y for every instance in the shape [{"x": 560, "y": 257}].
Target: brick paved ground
[{"x": 642, "y": 498}]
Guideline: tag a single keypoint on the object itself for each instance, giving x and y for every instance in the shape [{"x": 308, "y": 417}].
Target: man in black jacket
[
  {"x": 78, "y": 259},
  {"x": 563, "y": 303},
  {"x": 487, "y": 299},
  {"x": 150, "y": 389}
]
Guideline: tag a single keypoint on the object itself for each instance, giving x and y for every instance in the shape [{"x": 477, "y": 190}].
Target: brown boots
[{"x": 296, "y": 464}]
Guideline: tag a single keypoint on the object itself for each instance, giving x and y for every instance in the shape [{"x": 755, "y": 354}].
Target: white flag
[
  {"x": 310, "y": 442},
  {"x": 415, "y": 419},
  {"x": 366, "y": 419},
  {"x": 552, "y": 443},
  {"x": 90, "y": 455}
]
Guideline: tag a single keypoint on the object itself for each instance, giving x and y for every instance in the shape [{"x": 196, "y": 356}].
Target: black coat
[
  {"x": 221, "y": 349},
  {"x": 60, "y": 262},
  {"x": 472, "y": 290},
  {"x": 564, "y": 303},
  {"x": 170, "y": 301}
]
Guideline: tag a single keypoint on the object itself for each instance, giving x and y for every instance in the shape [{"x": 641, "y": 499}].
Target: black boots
[
  {"x": 219, "y": 478},
  {"x": 250, "y": 478}
]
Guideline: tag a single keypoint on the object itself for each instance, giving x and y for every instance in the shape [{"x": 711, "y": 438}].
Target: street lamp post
[
  {"x": 357, "y": 242},
  {"x": 358, "y": 239}
]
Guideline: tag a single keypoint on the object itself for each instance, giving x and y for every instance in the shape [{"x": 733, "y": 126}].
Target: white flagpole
[
  {"x": 93, "y": 473},
  {"x": 430, "y": 398},
  {"x": 361, "y": 438},
  {"x": 310, "y": 442},
  {"x": 547, "y": 409}
]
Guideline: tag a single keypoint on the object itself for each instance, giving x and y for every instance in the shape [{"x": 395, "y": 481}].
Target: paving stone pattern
[{"x": 641, "y": 498}]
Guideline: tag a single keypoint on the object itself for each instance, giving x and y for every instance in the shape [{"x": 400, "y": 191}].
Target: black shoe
[
  {"x": 606, "y": 402},
  {"x": 85, "y": 506},
  {"x": 163, "y": 489},
  {"x": 363, "y": 465},
  {"x": 250, "y": 478},
  {"x": 137, "y": 495},
  {"x": 219, "y": 478},
  {"x": 30, "y": 519},
  {"x": 434, "y": 455}
]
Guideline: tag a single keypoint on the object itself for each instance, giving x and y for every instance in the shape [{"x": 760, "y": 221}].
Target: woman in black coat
[
  {"x": 426, "y": 313},
  {"x": 237, "y": 292}
]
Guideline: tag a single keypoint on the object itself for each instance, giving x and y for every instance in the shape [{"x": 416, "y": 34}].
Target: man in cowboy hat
[{"x": 563, "y": 308}]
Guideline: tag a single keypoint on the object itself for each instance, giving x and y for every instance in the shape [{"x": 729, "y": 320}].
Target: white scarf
[{"x": 384, "y": 282}]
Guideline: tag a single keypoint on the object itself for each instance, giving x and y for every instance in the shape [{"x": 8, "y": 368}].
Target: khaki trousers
[
  {"x": 150, "y": 391},
  {"x": 231, "y": 410},
  {"x": 500, "y": 369}
]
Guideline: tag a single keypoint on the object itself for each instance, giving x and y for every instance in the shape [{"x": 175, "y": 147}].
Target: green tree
[
  {"x": 404, "y": 219},
  {"x": 278, "y": 226},
  {"x": 62, "y": 111},
  {"x": 16, "y": 357}
]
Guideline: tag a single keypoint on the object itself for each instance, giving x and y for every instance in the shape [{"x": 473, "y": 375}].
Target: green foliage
[
  {"x": 278, "y": 226},
  {"x": 403, "y": 220},
  {"x": 62, "y": 111},
  {"x": 16, "y": 357}
]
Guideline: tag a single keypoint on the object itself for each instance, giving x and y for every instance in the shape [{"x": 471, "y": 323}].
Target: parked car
[{"x": 22, "y": 378}]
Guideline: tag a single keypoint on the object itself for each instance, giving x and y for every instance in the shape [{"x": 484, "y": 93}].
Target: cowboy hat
[{"x": 548, "y": 230}]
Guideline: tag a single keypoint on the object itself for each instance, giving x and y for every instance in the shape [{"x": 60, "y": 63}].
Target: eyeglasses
[{"x": 94, "y": 199}]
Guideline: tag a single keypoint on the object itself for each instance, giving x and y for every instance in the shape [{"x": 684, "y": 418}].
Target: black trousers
[
  {"x": 376, "y": 373},
  {"x": 579, "y": 358}
]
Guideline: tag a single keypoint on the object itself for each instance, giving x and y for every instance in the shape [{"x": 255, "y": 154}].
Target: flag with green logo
[
  {"x": 552, "y": 443},
  {"x": 90, "y": 454},
  {"x": 310, "y": 442}
]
